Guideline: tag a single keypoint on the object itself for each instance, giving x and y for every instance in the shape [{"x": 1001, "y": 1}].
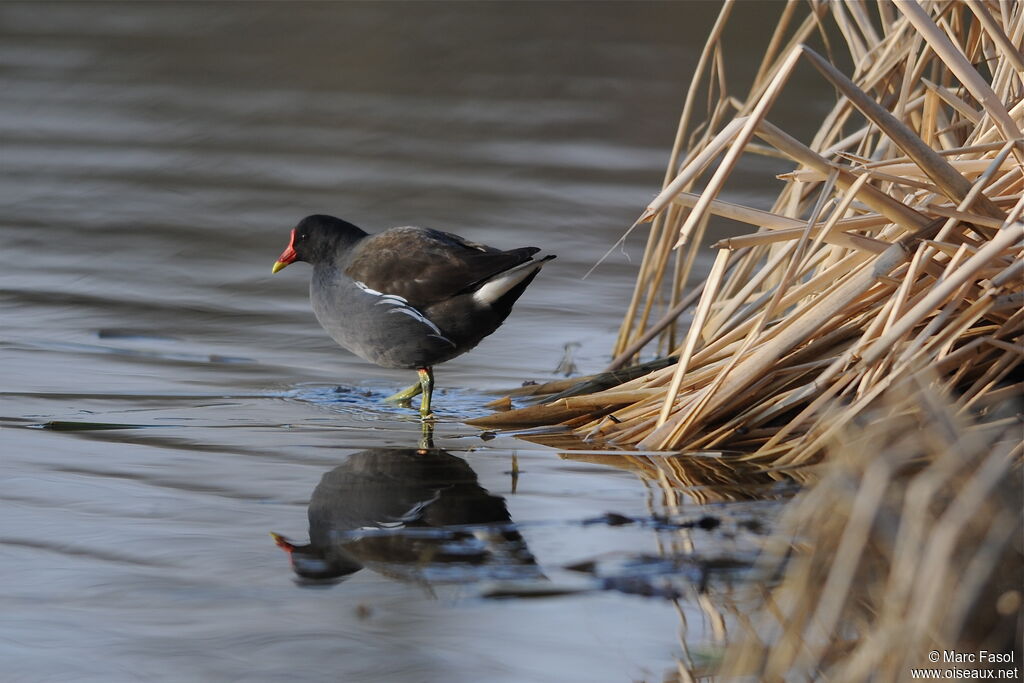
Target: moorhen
[
  {"x": 407, "y": 297},
  {"x": 411, "y": 514}
]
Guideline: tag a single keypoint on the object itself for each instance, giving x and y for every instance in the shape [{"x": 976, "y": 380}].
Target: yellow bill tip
[{"x": 278, "y": 265}]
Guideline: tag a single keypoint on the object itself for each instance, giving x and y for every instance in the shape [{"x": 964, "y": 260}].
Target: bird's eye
[{"x": 303, "y": 236}]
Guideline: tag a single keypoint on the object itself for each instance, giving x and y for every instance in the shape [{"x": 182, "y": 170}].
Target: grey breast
[{"x": 379, "y": 327}]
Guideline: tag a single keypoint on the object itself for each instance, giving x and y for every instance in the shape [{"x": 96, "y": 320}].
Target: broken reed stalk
[{"x": 893, "y": 246}]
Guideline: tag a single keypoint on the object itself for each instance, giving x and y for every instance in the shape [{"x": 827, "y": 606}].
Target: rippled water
[{"x": 165, "y": 403}]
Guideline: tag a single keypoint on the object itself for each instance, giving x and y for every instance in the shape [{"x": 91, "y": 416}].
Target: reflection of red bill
[{"x": 282, "y": 542}]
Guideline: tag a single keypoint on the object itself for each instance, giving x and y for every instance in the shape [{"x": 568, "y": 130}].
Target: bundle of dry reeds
[
  {"x": 910, "y": 543},
  {"x": 894, "y": 246}
]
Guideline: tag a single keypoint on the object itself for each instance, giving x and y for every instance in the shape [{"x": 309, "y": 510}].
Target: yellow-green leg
[
  {"x": 405, "y": 395},
  {"x": 427, "y": 386}
]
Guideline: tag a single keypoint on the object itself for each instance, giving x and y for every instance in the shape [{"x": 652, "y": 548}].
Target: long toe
[{"x": 405, "y": 395}]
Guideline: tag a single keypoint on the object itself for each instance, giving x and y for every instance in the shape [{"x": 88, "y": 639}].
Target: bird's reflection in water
[{"x": 414, "y": 514}]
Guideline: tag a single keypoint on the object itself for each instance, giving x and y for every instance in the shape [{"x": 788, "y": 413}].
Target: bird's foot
[{"x": 405, "y": 395}]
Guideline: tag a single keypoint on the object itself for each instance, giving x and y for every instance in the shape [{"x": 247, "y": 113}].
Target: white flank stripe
[
  {"x": 391, "y": 299},
  {"x": 442, "y": 338},
  {"x": 368, "y": 290},
  {"x": 401, "y": 305},
  {"x": 413, "y": 313}
]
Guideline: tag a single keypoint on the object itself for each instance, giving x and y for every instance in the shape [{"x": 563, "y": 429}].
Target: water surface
[{"x": 165, "y": 403}]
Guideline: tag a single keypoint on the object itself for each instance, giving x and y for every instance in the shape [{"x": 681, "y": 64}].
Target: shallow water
[{"x": 165, "y": 403}]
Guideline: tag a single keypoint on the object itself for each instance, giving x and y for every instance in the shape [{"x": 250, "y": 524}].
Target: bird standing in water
[{"x": 407, "y": 297}]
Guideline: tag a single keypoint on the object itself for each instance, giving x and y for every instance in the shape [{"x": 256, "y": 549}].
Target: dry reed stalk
[
  {"x": 908, "y": 543},
  {"x": 677, "y": 146},
  {"x": 892, "y": 246}
]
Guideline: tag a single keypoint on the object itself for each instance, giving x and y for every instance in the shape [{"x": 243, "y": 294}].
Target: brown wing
[{"x": 427, "y": 266}]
